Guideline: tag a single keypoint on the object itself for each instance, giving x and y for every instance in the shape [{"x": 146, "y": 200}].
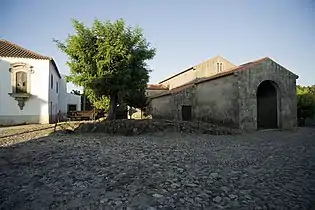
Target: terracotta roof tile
[
  {"x": 9, "y": 49},
  {"x": 179, "y": 73},
  {"x": 182, "y": 87},
  {"x": 156, "y": 87},
  {"x": 174, "y": 90},
  {"x": 232, "y": 70}
]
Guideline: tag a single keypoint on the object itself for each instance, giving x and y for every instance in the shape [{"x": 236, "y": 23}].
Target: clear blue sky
[{"x": 185, "y": 32}]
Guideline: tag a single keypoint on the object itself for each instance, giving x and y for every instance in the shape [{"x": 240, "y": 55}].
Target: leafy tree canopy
[
  {"x": 305, "y": 102},
  {"x": 101, "y": 102},
  {"x": 137, "y": 99},
  {"x": 108, "y": 60},
  {"x": 305, "y": 89}
]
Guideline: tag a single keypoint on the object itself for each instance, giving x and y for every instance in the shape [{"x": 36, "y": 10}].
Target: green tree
[
  {"x": 101, "y": 102},
  {"x": 137, "y": 99},
  {"x": 305, "y": 103},
  {"x": 108, "y": 60}
]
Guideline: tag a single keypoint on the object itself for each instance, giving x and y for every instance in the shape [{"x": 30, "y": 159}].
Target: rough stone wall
[
  {"x": 231, "y": 100},
  {"x": 212, "y": 101},
  {"x": 170, "y": 106},
  {"x": 216, "y": 101},
  {"x": 161, "y": 107},
  {"x": 184, "y": 97},
  {"x": 248, "y": 82}
]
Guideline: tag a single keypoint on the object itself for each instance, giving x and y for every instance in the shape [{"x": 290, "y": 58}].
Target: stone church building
[{"x": 256, "y": 95}]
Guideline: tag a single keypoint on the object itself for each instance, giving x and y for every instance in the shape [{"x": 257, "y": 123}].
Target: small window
[
  {"x": 186, "y": 113},
  {"x": 51, "y": 81},
  {"x": 57, "y": 88},
  {"x": 21, "y": 82},
  {"x": 72, "y": 107},
  {"x": 219, "y": 67}
]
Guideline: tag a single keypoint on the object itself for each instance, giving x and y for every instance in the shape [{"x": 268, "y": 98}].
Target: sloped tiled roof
[
  {"x": 156, "y": 87},
  {"x": 190, "y": 68},
  {"x": 230, "y": 71},
  {"x": 216, "y": 76},
  {"x": 9, "y": 49},
  {"x": 174, "y": 90}
]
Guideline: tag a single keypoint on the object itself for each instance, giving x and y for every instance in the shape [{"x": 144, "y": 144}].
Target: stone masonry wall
[
  {"x": 170, "y": 106},
  {"x": 161, "y": 107},
  {"x": 212, "y": 101},
  {"x": 217, "y": 102},
  {"x": 248, "y": 82},
  {"x": 231, "y": 100},
  {"x": 184, "y": 97}
]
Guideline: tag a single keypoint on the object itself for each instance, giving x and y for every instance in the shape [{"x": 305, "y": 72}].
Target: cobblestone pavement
[{"x": 261, "y": 170}]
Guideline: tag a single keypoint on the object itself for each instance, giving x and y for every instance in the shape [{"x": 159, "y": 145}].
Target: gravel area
[{"x": 260, "y": 170}]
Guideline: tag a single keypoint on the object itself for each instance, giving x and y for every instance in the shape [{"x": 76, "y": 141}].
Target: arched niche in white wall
[{"x": 21, "y": 82}]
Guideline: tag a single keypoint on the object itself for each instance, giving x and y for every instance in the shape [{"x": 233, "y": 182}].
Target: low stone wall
[{"x": 137, "y": 127}]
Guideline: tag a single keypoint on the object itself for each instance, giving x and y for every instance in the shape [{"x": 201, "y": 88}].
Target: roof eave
[
  {"x": 49, "y": 59},
  {"x": 160, "y": 95},
  {"x": 177, "y": 74},
  {"x": 55, "y": 65},
  {"x": 156, "y": 89},
  {"x": 216, "y": 77}
]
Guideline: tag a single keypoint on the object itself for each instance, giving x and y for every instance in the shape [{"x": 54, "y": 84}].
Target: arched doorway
[{"x": 267, "y": 105}]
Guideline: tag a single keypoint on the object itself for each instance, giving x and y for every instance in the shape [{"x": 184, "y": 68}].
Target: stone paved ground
[{"x": 262, "y": 170}]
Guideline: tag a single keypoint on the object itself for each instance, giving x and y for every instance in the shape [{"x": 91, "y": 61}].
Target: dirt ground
[{"x": 259, "y": 170}]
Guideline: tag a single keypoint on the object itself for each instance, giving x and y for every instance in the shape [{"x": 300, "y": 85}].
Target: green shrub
[{"x": 305, "y": 103}]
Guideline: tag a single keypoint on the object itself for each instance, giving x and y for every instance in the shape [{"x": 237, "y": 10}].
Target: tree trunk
[
  {"x": 84, "y": 99},
  {"x": 112, "y": 107}
]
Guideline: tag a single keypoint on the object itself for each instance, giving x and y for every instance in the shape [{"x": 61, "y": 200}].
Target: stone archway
[{"x": 267, "y": 105}]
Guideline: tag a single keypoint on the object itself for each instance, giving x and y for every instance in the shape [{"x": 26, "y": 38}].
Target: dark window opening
[
  {"x": 219, "y": 67},
  {"x": 51, "y": 81},
  {"x": 72, "y": 107},
  {"x": 57, "y": 88},
  {"x": 186, "y": 113},
  {"x": 267, "y": 107},
  {"x": 21, "y": 82}
]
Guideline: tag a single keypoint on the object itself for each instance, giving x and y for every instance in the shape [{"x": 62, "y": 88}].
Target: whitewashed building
[
  {"x": 31, "y": 87},
  {"x": 67, "y": 101}
]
